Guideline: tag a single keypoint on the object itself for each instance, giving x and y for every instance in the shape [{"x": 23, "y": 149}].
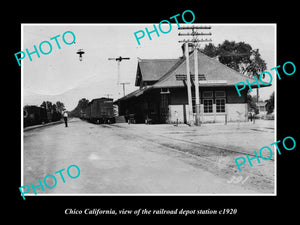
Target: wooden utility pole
[
  {"x": 119, "y": 59},
  {"x": 188, "y": 78},
  {"x": 197, "y": 86},
  {"x": 108, "y": 95},
  {"x": 124, "y": 87},
  {"x": 195, "y": 41}
]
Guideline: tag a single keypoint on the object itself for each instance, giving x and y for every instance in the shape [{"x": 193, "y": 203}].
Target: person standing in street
[
  {"x": 65, "y": 115},
  {"x": 176, "y": 117}
]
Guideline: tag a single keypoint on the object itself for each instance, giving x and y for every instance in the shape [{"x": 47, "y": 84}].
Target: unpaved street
[{"x": 148, "y": 159}]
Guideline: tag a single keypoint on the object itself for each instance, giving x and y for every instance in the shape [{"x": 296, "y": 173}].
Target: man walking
[{"x": 65, "y": 115}]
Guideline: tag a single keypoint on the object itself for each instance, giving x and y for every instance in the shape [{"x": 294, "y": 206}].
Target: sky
[{"x": 61, "y": 70}]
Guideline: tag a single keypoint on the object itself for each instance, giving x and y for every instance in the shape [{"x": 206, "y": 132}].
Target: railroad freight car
[
  {"x": 85, "y": 114},
  {"x": 100, "y": 110},
  {"x": 34, "y": 115}
]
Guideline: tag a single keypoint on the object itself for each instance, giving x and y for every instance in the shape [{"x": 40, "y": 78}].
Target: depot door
[{"x": 164, "y": 109}]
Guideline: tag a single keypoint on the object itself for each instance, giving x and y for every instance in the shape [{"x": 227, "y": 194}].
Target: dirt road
[{"x": 147, "y": 159}]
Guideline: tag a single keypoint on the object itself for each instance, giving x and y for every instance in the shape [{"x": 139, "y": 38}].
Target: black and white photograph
[
  {"x": 145, "y": 110},
  {"x": 164, "y": 109}
]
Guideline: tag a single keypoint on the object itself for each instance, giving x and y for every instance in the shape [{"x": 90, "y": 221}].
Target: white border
[{"x": 143, "y": 24}]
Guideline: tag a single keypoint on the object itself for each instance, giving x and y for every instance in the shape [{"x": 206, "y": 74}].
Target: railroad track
[
  {"x": 211, "y": 146},
  {"x": 196, "y": 144},
  {"x": 214, "y": 148},
  {"x": 205, "y": 153}
]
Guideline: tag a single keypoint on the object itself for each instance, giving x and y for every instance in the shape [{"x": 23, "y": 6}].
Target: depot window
[
  {"x": 220, "y": 94},
  {"x": 220, "y": 105},
  {"x": 208, "y": 105},
  {"x": 207, "y": 94}
]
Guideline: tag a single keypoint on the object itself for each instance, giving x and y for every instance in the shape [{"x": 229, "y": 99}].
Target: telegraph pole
[
  {"x": 195, "y": 42},
  {"x": 124, "y": 87},
  {"x": 119, "y": 59},
  {"x": 108, "y": 95},
  {"x": 188, "y": 78}
]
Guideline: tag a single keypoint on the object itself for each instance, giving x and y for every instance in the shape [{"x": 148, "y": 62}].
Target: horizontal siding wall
[
  {"x": 237, "y": 112},
  {"x": 178, "y": 96},
  {"x": 236, "y": 108},
  {"x": 180, "y": 113},
  {"x": 177, "y": 101},
  {"x": 234, "y": 112}
]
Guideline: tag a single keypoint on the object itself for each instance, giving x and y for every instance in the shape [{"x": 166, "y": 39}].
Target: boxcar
[
  {"x": 34, "y": 115},
  {"x": 100, "y": 110},
  {"x": 86, "y": 113}
]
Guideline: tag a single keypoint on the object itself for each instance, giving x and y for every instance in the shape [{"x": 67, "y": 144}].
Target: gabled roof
[
  {"x": 153, "y": 69},
  {"x": 164, "y": 72},
  {"x": 215, "y": 73},
  {"x": 135, "y": 93}
]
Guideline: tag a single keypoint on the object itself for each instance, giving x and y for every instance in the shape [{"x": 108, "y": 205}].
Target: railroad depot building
[{"x": 162, "y": 94}]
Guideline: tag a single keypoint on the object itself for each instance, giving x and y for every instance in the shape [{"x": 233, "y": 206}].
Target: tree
[
  {"x": 60, "y": 106},
  {"x": 238, "y": 56},
  {"x": 82, "y": 103},
  {"x": 255, "y": 98},
  {"x": 252, "y": 104},
  {"x": 210, "y": 50},
  {"x": 270, "y": 103},
  {"x": 47, "y": 105},
  {"x": 54, "y": 108},
  {"x": 256, "y": 65}
]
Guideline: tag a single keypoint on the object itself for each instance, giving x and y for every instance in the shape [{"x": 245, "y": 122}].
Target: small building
[
  {"x": 261, "y": 106},
  {"x": 262, "y": 109},
  {"x": 162, "y": 94}
]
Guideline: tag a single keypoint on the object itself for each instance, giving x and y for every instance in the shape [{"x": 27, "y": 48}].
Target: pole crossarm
[
  {"x": 119, "y": 59},
  {"x": 195, "y": 41},
  {"x": 194, "y": 33},
  {"x": 194, "y": 27}
]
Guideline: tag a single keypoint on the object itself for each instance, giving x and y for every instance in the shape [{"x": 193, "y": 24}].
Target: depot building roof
[{"x": 171, "y": 73}]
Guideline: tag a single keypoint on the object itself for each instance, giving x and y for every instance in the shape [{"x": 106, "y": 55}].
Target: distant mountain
[
  {"x": 89, "y": 88},
  {"x": 31, "y": 98}
]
